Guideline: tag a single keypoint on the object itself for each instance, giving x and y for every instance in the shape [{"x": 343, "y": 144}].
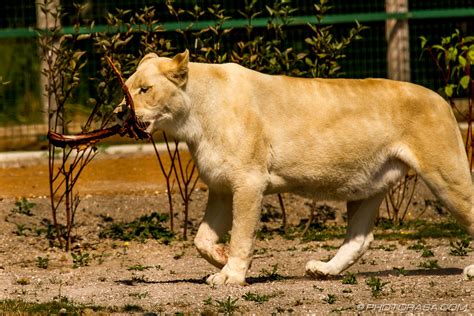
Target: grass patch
[
  {"x": 47, "y": 308},
  {"x": 386, "y": 230},
  {"x": 420, "y": 229},
  {"x": 142, "y": 228},
  {"x": 322, "y": 233}
]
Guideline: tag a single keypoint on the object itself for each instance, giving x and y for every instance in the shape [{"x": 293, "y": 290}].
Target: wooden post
[
  {"x": 47, "y": 21},
  {"x": 398, "y": 47}
]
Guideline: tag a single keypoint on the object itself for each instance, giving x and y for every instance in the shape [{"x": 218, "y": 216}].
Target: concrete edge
[{"x": 25, "y": 158}]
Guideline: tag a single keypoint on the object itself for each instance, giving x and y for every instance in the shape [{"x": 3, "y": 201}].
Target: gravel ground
[{"x": 156, "y": 277}]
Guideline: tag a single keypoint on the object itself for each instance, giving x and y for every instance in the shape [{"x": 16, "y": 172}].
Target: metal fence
[{"x": 20, "y": 100}]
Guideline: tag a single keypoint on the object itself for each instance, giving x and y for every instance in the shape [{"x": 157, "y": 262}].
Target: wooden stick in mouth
[{"x": 130, "y": 127}]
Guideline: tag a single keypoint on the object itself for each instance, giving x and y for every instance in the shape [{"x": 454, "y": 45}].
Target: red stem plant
[
  {"x": 187, "y": 179},
  {"x": 61, "y": 66}
]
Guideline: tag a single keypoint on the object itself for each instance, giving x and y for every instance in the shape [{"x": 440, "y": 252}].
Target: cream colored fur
[{"x": 253, "y": 134}]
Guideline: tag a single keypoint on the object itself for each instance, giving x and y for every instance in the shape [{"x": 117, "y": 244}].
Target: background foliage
[{"x": 19, "y": 102}]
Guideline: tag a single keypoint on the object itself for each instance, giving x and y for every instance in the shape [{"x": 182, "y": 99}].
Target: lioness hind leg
[
  {"x": 453, "y": 187},
  {"x": 216, "y": 223},
  {"x": 361, "y": 217}
]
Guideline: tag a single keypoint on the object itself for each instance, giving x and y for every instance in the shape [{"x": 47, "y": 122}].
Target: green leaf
[
  {"x": 449, "y": 89},
  {"x": 445, "y": 40},
  {"x": 423, "y": 41},
  {"x": 462, "y": 61},
  {"x": 464, "y": 82},
  {"x": 452, "y": 54},
  {"x": 439, "y": 47},
  {"x": 470, "y": 56}
]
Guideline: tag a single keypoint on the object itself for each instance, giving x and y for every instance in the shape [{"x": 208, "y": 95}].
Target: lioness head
[{"x": 157, "y": 89}]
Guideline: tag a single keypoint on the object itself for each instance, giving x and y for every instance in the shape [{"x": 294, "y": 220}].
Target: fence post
[
  {"x": 398, "y": 47},
  {"x": 48, "y": 21}
]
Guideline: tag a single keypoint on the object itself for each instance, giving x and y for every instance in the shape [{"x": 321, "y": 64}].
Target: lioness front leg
[
  {"x": 216, "y": 223},
  {"x": 361, "y": 217},
  {"x": 246, "y": 213}
]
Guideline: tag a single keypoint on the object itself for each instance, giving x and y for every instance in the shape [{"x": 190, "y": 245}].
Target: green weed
[
  {"x": 330, "y": 299},
  {"x": 227, "y": 306},
  {"x": 430, "y": 264},
  {"x": 459, "y": 248},
  {"x": 376, "y": 285},
  {"x": 258, "y": 298},
  {"x": 425, "y": 253},
  {"x": 273, "y": 274},
  {"x": 349, "y": 278},
  {"x": 138, "y": 267},
  {"x": 23, "y": 281},
  {"x": 42, "y": 262},
  {"x": 80, "y": 259},
  {"x": 400, "y": 271},
  {"x": 21, "y": 230},
  {"x": 389, "y": 247},
  {"x": 23, "y": 206},
  {"x": 145, "y": 227},
  {"x": 208, "y": 301},
  {"x": 419, "y": 245}
]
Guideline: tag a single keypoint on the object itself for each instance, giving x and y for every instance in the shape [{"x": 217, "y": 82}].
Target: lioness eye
[{"x": 143, "y": 89}]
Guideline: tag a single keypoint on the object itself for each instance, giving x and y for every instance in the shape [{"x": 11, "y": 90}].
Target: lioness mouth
[
  {"x": 143, "y": 125},
  {"x": 132, "y": 125}
]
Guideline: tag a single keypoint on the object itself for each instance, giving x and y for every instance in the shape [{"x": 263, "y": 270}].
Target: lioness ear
[
  {"x": 148, "y": 56},
  {"x": 178, "y": 69}
]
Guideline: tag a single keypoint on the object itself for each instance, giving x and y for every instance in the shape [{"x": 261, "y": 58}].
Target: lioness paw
[
  {"x": 469, "y": 272},
  {"x": 317, "y": 269},
  {"x": 222, "y": 278}
]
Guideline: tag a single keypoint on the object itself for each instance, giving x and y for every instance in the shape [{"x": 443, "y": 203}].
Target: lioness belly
[{"x": 345, "y": 184}]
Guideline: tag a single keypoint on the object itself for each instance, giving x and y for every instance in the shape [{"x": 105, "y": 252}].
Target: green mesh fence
[{"x": 20, "y": 101}]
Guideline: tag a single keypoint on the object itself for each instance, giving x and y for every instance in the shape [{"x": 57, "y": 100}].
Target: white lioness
[{"x": 253, "y": 134}]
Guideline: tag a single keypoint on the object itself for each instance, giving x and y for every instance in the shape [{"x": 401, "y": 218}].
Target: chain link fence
[{"x": 21, "y": 111}]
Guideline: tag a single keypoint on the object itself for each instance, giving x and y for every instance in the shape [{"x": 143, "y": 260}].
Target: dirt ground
[{"x": 151, "y": 276}]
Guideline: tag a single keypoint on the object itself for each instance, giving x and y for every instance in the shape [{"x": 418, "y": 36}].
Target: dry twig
[{"x": 131, "y": 126}]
